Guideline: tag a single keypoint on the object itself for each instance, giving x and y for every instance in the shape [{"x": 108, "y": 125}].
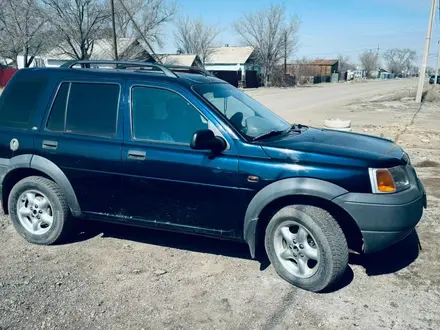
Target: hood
[{"x": 373, "y": 150}]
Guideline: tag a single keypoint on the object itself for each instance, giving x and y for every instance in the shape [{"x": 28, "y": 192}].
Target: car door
[
  {"x": 166, "y": 182},
  {"x": 83, "y": 137}
]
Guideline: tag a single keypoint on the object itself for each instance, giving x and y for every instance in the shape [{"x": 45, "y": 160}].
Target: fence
[{"x": 5, "y": 76}]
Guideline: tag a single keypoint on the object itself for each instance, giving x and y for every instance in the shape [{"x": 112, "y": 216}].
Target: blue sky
[{"x": 331, "y": 27}]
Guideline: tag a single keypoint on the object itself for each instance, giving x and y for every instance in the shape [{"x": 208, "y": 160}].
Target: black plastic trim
[
  {"x": 52, "y": 170},
  {"x": 385, "y": 219},
  {"x": 282, "y": 188}
]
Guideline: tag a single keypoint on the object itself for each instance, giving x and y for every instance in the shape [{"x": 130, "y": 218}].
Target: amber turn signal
[{"x": 385, "y": 181}]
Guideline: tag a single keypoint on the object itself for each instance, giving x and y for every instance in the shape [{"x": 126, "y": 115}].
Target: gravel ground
[{"x": 114, "y": 277}]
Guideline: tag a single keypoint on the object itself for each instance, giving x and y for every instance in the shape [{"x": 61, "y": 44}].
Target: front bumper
[{"x": 385, "y": 219}]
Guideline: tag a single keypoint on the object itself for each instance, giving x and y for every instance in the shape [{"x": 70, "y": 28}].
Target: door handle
[
  {"x": 52, "y": 145},
  {"x": 137, "y": 154}
]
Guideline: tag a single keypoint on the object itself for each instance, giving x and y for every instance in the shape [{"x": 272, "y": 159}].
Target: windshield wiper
[
  {"x": 298, "y": 127},
  {"x": 267, "y": 135}
]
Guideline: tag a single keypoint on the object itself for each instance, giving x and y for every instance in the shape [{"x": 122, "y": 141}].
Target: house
[
  {"x": 128, "y": 49},
  {"x": 181, "y": 59},
  {"x": 383, "y": 74},
  {"x": 320, "y": 69},
  {"x": 234, "y": 64},
  {"x": 325, "y": 67}
]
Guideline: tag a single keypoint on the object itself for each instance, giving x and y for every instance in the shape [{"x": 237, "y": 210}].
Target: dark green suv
[{"x": 177, "y": 149}]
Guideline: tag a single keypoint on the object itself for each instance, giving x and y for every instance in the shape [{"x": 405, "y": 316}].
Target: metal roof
[
  {"x": 178, "y": 59},
  {"x": 229, "y": 55},
  {"x": 323, "y": 62}
]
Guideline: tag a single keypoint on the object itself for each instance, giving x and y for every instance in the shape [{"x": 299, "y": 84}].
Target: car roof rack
[
  {"x": 167, "y": 70},
  {"x": 189, "y": 69},
  {"x": 121, "y": 65}
]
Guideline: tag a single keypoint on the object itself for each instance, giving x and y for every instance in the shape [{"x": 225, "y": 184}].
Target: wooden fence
[{"x": 5, "y": 76}]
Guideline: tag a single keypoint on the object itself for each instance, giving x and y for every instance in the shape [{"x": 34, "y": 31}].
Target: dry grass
[
  {"x": 432, "y": 95},
  {"x": 408, "y": 94}
]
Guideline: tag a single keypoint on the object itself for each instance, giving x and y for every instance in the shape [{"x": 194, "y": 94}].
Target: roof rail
[
  {"x": 191, "y": 69},
  {"x": 121, "y": 65}
]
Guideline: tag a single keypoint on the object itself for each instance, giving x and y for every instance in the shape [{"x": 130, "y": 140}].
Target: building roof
[
  {"x": 229, "y": 55},
  {"x": 179, "y": 59},
  {"x": 323, "y": 62},
  {"x": 102, "y": 50}
]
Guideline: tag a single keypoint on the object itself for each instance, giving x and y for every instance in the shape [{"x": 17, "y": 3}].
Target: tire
[
  {"x": 27, "y": 195},
  {"x": 321, "y": 238},
  {"x": 337, "y": 123}
]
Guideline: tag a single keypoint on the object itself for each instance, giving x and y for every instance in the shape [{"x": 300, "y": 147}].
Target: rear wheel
[
  {"x": 39, "y": 210},
  {"x": 306, "y": 246}
]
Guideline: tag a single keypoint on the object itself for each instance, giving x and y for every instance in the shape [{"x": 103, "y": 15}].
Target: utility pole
[
  {"x": 438, "y": 61},
  {"x": 140, "y": 32},
  {"x": 377, "y": 61},
  {"x": 285, "y": 52},
  {"x": 425, "y": 55},
  {"x": 115, "y": 44}
]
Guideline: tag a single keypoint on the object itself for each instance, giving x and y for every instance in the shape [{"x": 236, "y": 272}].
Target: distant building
[
  {"x": 128, "y": 49},
  {"x": 234, "y": 64},
  {"x": 320, "y": 69},
  {"x": 181, "y": 59},
  {"x": 325, "y": 67},
  {"x": 383, "y": 74}
]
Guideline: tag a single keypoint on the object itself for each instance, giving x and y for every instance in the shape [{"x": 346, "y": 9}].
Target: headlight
[{"x": 389, "y": 180}]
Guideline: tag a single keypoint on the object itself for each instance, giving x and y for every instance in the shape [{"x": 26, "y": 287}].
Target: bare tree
[
  {"x": 22, "y": 30},
  {"x": 195, "y": 36},
  {"x": 271, "y": 33},
  {"x": 399, "y": 60},
  {"x": 78, "y": 23},
  {"x": 369, "y": 60},
  {"x": 149, "y": 15},
  {"x": 345, "y": 63}
]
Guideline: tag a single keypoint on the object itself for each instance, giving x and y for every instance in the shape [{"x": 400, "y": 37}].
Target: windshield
[{"x": 248, "y": 116}]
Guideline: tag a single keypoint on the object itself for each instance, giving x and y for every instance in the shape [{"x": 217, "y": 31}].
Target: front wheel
[{"x": 307, "y": 247}]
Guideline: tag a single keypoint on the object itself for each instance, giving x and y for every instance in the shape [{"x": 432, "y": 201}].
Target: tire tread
[{"x": 334, "y": 236}]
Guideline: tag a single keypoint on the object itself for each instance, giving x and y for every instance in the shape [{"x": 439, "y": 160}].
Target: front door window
[{"x": 164, "y": 116}]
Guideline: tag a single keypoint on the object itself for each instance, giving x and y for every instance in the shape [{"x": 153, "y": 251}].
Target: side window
[
  {"x": 18, "y": 102},
  {"x": 85, "y": 108},
  {"x": 58, "y": 113},
  {"x": 162, "y": 115}
]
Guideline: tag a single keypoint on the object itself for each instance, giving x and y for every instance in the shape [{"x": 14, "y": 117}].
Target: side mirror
[{"x": 206, "y": 140}]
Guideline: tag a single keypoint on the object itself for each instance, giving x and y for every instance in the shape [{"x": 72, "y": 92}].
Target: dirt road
[
  {"x": 113, "y": 277},
  {"x": 319, "y": 101}
]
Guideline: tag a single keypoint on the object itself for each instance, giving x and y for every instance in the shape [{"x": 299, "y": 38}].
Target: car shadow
[
  {"x": 392, "y": 259},
  {"x": 387, "y": 261},
  {"x": 181, "y": 241}
]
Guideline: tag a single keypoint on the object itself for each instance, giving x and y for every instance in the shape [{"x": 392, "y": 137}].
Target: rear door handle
[
  {"x": 137, "y": 154},
  {"x": 52, "y": 145}
]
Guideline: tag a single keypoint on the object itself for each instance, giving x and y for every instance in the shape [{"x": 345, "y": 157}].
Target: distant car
[
  {"x": 431, "y": 80},
  {"x": 174, "y": 148}
]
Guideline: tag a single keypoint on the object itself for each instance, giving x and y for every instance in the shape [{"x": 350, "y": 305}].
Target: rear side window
[
  {"x": 85, "y": 108},
  {"x": 19, "y": 100}
]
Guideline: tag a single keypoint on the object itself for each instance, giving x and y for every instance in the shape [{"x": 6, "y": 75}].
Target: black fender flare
[
  {"x": 282, "y": 188},
  {"x": 51, "y": 170},
  {"x": 7, "y": 166}
]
